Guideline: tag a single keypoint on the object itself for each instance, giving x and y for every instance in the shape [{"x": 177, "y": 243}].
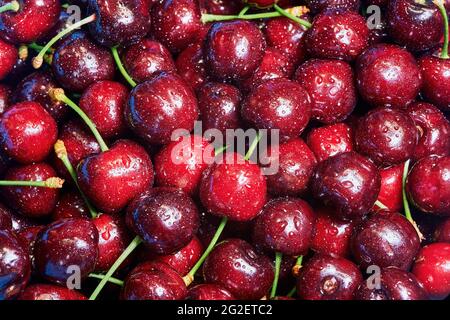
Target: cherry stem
[
  {"x": 244, "y": 11},
  {"x": 122, "y": 68},
  {"x": 111, "y": 279},
  {"x": 405, "y": 199},
  {"x": 292, "y": 292},
  {"x": 380, "y": 205},
  {"x": 39, "y": 59},
  {"x": 278, "y": 257},
  {"x": 190, "y": 276},
  {"x": 279, "y": 13},
  {"x": 440, "y": 5},
  {"x": 59, "y": 95},
  {"x": 61, "y": 153},
  {"x": 253, "y": 146},
  {"x": 36, "y": 47},
  {"x": 133, "y": 245},
  {"x": 52, "y": 183},
  {"x": 12, "y": 6}
]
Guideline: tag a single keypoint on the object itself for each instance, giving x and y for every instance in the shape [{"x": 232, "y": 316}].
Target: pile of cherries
[{"x": 94, "y": 204}]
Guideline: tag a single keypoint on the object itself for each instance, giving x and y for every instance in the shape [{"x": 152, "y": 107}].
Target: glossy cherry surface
[
  {"x": 191, "y": 66},
  {"x": 391, "y": 187},
  {"x": 5, "y": 97},
  {"x": 43, "y": 291},
  {"x": 436, "y": 81},
  {"x": 70, "y": 205},
  {"x": 207, "y": 291},
  {"x": 442, "y": 232},
  {"x": 317, "y": 6},
  {"x": 8, "y": 57}
]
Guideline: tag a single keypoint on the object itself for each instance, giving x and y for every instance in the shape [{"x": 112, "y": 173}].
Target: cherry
[
  {"x": 428, "y": 185},
  {"x": 42, "y": 291},
  {"x": 278, "y": 104},
  {"x": 176, "y": 23},
  {"x": 331, "y": 235},
  {"x": 296, "y": 164},
  {"x": 5, "y": 97},
  {"x": 146, "y": 58},
  {"x": 32, "y": 20},
  {"x": 70, "y": 205},
  {"x": 395, "y": 284},
  {"x": 15, "y": 267},
  {"x": 27, "y": 132},
  {"x": 219, "y": 105},
  {"x": 385, "y": 239},
  {"x": 330, "y": 85},
  {"x": 387, "y": 136},
  {"x": 330, "y": 140},
  {"x": 434, "y": 130},
  {"x": 78, "y": 62},
  {"x": 63, "y": 23},
  {"x": 234, "y": 49},
  {"x": 191, "y": 67},
  {"x": 180, "y": 164},
  {"x": 234, "y": 265},
  {"x": 261, "y": 3},
  {"x": 317, "y": 6},
  {"x": 221, "y": 6},
  {"x": 348, "y": 183},
  {"x": 119, "y": 22},
  {"x": 35, "y": 87},
  {"x": 29, "y": 236},
  {"x": 114, "y": 177},
  {"x": 328, "y": 278},
  {"x": 416, "y": 25},
  {"x": 390, "y": 194},
  {"x": 233, "y": 188},
  {"x": 8, "y": 57},
  {"x": 337, "y": 35},
  {"x": 432, "y": 269},
  {"x": 104, "y": 102},
  {"x": 33, "y": 202},
  {"x": 21, "y": 68},
  {"x": 285, "y": 225},
  {"x": 387, "y": 75},
  {"x": 207, "y": 291},
  {"x": 5, "y": 218},
  {"x": 442, "y": 232},
  {"x": 165, "y": 218},
  {"x": 77, "y": 236},
  {"x": 19, "y": 222},
  {"x": 436, "y": 81},
  {"x": 153, "y": 281},
  {"x": 159, "y": 106}
]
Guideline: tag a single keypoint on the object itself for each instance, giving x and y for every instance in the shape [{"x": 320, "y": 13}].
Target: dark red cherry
[
  {"x": 64, "y": 244},
  {"x": 294, "y": 165},
  {"x": 15, "y": 267},
  {"x": 395, "y": 284},
  {"x": 388, "y": 75},
  {"x": 18, "y": 222},
  {"x": 159, "y": 106},
  {"x": 64, "y": 21},
  {"x": 33, "y": 202},
  {"x": 317, "y": 6},
  {"x": 104, "y": 102},
  {"x": 5, "y": 97},
  {"x": 153, "y": 281},
  {"x": 221, "y": 7},
  {"x": 387, "y": 136},
  {"x": 176, "y": 23},
  {"x": 285, "y": 225},
  {"x": 330, "y": 140},
  {"x": 434, "y": 130},
  {"x": 29, "y": 236},
  {"x": 42, "y": 291},
  {"x": 27, "y": 132},
  {"x": 278, "y": 104},
  {"x": 337, "y": 35},
  {"x": 35, "y": 87},
  {"x": 180, "y": 164},
  {"x": 330, "y": 85},
  {"x": 432, "y": 269},
  {"x": 21, "y": 68},
  {"x": 442, "y": 232},
  {"x": 5, "y": 218},
  {"x": 331, "y": 235},
  {"x": 119, "y": 22},
  {"x": 70, "y": 205},
  {"x": 234, "y": 49},
  {"x": 233, "y": 188},
  {"x": 207, "y": 291},
  {"x": 165, "y": 218},
  {"x": 436, "y": 81},
  {"x": 391, "y": 187},
  {"x": 418, "y": 26},
  {"x": 8, "y": 57},
  {"x": 385, "y": 239},
  {"x": 78, "y": 62},
  {"x": 428, "y": 185},
  {"x": 146, "y": 58},
  {"x": 328, "y": 278},
  {"x": 113, "y": 178},
  {"x": 235, "y": 265},
  {"x": 219, "y": 105},
  {"x": 32, "y": 21},
  {"x": 348, "y": 183},
  {"x": 261, "y": 3},
  {"x": 191, "y": 67}
]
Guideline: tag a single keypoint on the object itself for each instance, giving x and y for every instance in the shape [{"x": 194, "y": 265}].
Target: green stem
[
  {"x": 52, "y": 183},
  {"x": 243, "y": 11},
  {"x": 380, "y": 205},
  {"x": 285, "y": 13},
  {"x": 59, "y": 95},
  {"x": 299, "y": 261},
  {"x": 278, "y": 257},
  {"x": 121, "y": 67},
  {"x": 405, "y": 198},
  {"x": 133, "y": 245},
  {"x": 440, "y": 5},
  {"x": 111, "y": 279},
  {"x": 253, "y": 146},
  {"x": 36, "y": 47},
  {"x": 12, "y": 6},
  {"x": 292, "y": 292}
]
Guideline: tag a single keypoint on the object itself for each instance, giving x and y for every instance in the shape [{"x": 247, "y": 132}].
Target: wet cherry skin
[
  {"x": 436, "y": 81},
  {"x": 191, "y": 66},
  {"x": 317, "y": 6},
  {"x": 207, "y": 291},
  {"x": 442, "y": 232},
  {"x": 43, "y": 291},
  {"x": 8, "y": 57},
  {"x": 391, "y": 187},
  {"x": 5, "y": 97},
  {"x": 70, "y": 205}
]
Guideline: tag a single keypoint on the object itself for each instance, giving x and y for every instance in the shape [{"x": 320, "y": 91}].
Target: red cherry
[
  {"x": 206, "y": 291},
  {"x": 70, "y": 205},
  {"x": 391, "y": 187},
  {"x": 8, "y": 57},
  {"x": 436, "y": 81},
  {"x": 317, "y": 6},
  {"x": 5, "y": 96},
  {"x": 42, "y": 291},
  {"x": 191, "y": 66}
]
